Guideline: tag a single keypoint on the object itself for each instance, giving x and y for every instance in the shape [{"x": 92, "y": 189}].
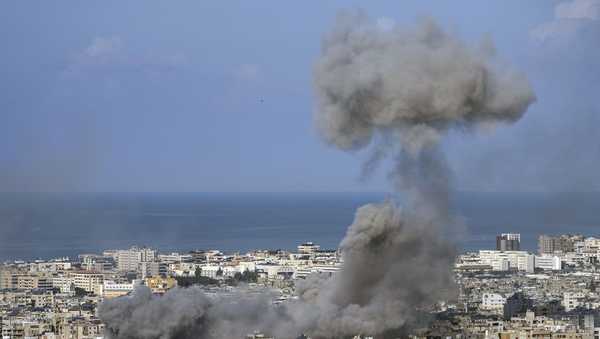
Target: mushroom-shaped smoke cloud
[
  {"x": 407, "y": 88},
  {"x": 418, "y": 82}
]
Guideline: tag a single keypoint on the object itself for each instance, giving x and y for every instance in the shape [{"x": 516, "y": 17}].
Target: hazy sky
[{"x": 217, "y": 96}]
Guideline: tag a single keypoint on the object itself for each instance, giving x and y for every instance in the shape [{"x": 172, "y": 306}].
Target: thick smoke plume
[
  {"x": 184, "y": 313},
  {"x": 400, "y": 90},
  {"x": 416, "y": 83},
  {"x": 393, "y": 264}
]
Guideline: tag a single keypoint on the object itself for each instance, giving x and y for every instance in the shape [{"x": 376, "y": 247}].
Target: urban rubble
[{"x": 504, "y": 293}]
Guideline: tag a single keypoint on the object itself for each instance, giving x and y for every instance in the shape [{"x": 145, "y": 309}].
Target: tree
[
  {"x": 249, "y": 276},
  {"x": 198, "y": 272},
  {"x": 80, "y": 292},
  {"x": 245, "y": 277},
  {"x": 189, "y": 281},
  {"x": 237, "y": 276}
]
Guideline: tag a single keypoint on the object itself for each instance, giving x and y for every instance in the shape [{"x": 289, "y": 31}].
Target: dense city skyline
[
  {"x": 503, "y": 293},
  {"x": 273, "y": 170}
]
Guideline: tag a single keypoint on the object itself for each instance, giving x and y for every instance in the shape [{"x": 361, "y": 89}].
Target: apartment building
[
  {"x": 89, "y": 281},
  {"x": 129, "y": 260}
]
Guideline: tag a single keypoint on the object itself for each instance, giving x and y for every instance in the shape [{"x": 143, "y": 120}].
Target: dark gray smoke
[
  {"x": 179, "y": 314},
  {"x": 190, "y": 313},
  {"x": 402, "y": 90},
  {"x": 414, "y": 83},
  {"x": 393, "y": 265},
  {"x": 405, "y": 88}
]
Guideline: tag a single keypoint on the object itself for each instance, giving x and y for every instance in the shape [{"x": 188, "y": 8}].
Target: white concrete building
[
  {"x": 62, "y": 282},
  {"x": 111, "y": 289},
  {"x": 129, "y": 260},
  {"x": 506, "y": 260},
  {"x": 210, "y": 271},
  {"x": 572, "y": 300},
  {"x": 174, "y": 257},
  {"x": 512, "y": 236},
  {"x": 492, "y": 301},
  {"x": 304, "y": 271},
  {"x": 152, "y": 269},
  {"x": 51, "y": 266},
  {"x": 308, "y": 248},
  {"x": 548, "y": 262},
  {"x": 87, "y": 280},
  {"x": 246, "y": 266},
  {"x": 277, "y": 271},
  {"x": 589, "y": 245}
]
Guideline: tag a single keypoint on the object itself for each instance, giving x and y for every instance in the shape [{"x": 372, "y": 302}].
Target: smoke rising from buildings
[
  {"x": 393, "y": 264},
  {"x": 405, "y": 89},
  {"x": 180, "y": 313},
  {"x": 399, "y": 90},
  {"x": 189, "y": 313}
]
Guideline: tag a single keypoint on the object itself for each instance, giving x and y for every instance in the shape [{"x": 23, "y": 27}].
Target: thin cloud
[
  {"x": 102, "y": 47},
  {"x": 570, "y": 18},
  {"x": 248, "y": 72},
  {"x": 111, "y": 54},
  {"x": 578, "y": 9}
]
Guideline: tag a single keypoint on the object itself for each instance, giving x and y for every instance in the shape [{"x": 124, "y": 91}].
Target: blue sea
[{"x": 54, "y": 225}]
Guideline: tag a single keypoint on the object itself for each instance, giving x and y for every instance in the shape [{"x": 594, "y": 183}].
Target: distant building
[
  {"x": 153, "y": 268},
  {"x": 197, "y": 256},
  {"x": 507, "y": 260},
  {"x": 160, "y": 284},
  {"x": 588, "y": 320},
  {"x": 129, "y": 260},
  {"x": 93, "y": 262},
  {"x": 40, "y": 298},
  {"x": 572, "y": 300},
  {"x": 211, "y": 271},
  {"x": 516, "y": 304},
  {"x": 546, "y": 244},
  {"x": 8, "y": 278},
  {"x": 258, "y": 335},
  {"x": 175, "y": 257},
  {"x": 565, "y": 243},
  {"x": 111, "y": 289},
  {"x": 87, "y": 280},
  {"x": 62, "y": 282},
  {"x": 29, "y": 281},
  {"x": 548, "y": 262},
  {"x": 588, "y": 247},
  {"x": 308, "y": 248},
  {"x": 492, "y": 302},
  {"x": 508, "y": 242}
]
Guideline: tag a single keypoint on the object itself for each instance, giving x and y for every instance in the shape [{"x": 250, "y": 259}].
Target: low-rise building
[
  {"x": 111, "y": 289},
  {"x": 160, "y": 284},
  {"x": 493, "y": 302},
  {"x": 89, "y": 281}
]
